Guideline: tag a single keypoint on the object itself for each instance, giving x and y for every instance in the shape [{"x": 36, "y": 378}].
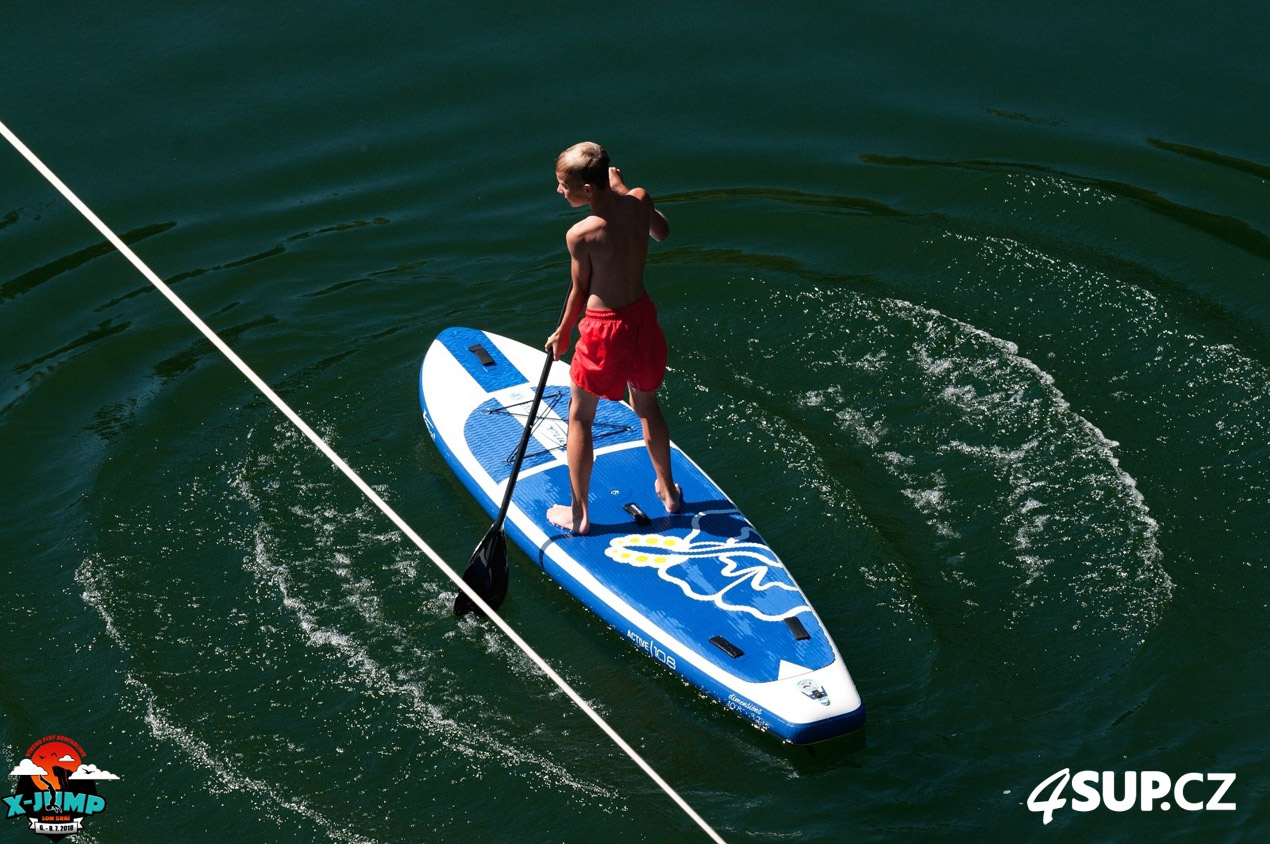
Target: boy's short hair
[{"x": 585, "y": 163}]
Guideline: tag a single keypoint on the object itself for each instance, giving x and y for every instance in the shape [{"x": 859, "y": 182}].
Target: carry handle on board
[{"x": 487, "y": 572}]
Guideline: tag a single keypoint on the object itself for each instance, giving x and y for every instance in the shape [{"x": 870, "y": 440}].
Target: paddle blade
[{"x": 486, "y": 573}]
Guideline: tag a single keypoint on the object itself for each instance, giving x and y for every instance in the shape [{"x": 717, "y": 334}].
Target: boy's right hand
[{"x": 557, "y": 344}]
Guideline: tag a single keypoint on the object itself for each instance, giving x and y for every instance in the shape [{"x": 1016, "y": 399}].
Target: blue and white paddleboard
[{"x": 698, "y": 591}]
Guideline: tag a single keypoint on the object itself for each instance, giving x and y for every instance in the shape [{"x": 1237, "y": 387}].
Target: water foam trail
[
  {"x": 1032, "y": 431},
  {"x": 1148, "y": 339},
  {"x": 476, "y": 746},
  {"x": 1025, "y": 496},
  {"x": 225, "y": 775},
  {"x": 1151, "y": 341},
  {"x": 268, "y": 566}
]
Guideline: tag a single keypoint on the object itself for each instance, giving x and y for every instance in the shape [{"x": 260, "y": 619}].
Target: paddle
[{"x": 487, "y": 571}]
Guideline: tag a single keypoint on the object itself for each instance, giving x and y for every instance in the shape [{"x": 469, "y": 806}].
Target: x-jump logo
[{"x": 56, "y": 790}]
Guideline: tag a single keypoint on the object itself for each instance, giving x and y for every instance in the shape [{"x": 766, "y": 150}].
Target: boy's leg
[
  {"x": 657, "y": 438},
  {"x": 581, "y": 456}
]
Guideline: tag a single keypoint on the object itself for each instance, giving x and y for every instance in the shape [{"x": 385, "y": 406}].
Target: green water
[{"x": 967, "y": 308}]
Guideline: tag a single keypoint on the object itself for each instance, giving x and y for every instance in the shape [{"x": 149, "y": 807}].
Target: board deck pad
[{"x": 699, "y": 591}]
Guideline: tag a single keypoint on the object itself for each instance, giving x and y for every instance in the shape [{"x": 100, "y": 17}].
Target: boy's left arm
[{"x": 658, "y": 226}]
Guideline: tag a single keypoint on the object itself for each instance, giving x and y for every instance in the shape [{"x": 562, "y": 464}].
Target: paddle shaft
[
  {"x": 529, "y": 423},
  {"x": 524, "y": 439}
]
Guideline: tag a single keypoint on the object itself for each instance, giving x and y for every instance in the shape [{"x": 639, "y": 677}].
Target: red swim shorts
[{"x": 620, "y": 347}]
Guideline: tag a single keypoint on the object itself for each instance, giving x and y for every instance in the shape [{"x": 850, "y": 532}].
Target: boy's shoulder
[{"x": 588, "y": 226}]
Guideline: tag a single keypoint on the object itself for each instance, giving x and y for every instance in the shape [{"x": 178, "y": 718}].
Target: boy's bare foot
[
  {"x": 671, "y": 502},
  {"x": 562, "y": 516}
]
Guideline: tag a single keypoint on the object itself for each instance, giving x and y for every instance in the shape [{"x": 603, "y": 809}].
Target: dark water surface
[{"x": 968, "y": 309}]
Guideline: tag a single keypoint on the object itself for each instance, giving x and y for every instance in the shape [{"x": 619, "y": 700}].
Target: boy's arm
[
  {"x": 580, "y": 269},
  {"x": 658, "y": 227}
]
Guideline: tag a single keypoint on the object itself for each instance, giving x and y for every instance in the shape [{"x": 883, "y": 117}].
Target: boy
[{"x": 620, "y": 344}]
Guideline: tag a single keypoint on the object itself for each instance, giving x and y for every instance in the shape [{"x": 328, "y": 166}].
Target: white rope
[{"x": 373, "y": 496}]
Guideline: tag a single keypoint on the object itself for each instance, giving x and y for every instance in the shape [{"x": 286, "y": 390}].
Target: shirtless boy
[{"x": 620, "y": 344}]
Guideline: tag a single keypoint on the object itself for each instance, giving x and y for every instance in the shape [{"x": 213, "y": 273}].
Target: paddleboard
[{"x": 700, "y": 592}]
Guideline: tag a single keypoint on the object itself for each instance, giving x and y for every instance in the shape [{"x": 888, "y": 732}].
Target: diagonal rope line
[{"x": 365, "y": 488}]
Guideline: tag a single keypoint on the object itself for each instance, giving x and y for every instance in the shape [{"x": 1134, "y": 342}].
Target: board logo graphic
[
  {"x": 735, "y": 574},
  {"x": 56, "y": 790}
]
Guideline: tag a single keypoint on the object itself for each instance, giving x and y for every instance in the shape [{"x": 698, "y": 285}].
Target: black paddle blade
[{"x": 486, "y": 573}]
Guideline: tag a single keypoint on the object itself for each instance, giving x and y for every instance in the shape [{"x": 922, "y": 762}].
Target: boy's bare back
[{"x": 611, "y": 245}]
